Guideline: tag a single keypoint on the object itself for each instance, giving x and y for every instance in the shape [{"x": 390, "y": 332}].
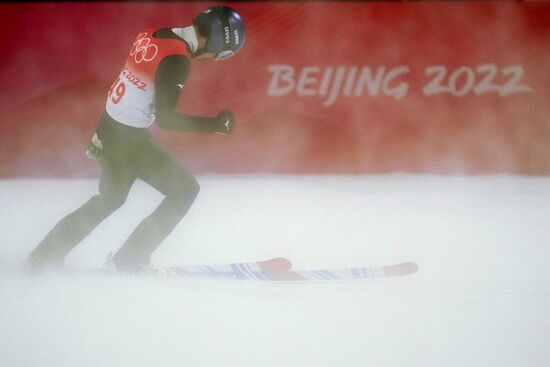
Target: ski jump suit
[{"x": 146, "y": 91}]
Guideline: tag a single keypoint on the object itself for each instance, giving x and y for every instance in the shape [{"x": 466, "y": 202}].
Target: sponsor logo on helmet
[
  {"x": 226, "y": 35},
  {"x": 236, "y": 36}
]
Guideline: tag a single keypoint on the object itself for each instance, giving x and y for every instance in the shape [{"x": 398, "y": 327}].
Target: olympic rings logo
[{"x": 142, "y": 50}]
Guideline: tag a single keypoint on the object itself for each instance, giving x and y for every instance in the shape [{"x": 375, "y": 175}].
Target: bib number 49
[{"x": 117, "y": 90}]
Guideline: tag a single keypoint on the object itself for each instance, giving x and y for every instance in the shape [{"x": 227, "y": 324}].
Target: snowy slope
[{"x": 481, "y": 297}]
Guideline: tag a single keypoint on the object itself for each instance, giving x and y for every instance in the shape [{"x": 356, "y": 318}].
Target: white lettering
[
  {"x": 481, "y": 80},
  {"x": 306, "y": 82},
  {"x": 373, "y": 84},
  {"x": 282, "y": 80},
  {"x": 350, "y": 79},
  {"x": 336, "y": 85},
  {"x": 401, "y": 89},
  {"x": 334, "y": 82},
  {"x": 226, "y": 34},
  {"x": 325, "y": 83},
  {"x": 513, "y": 85}
]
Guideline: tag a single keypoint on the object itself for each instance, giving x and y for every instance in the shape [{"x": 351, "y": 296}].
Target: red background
[{"x": 58, "y": 60}]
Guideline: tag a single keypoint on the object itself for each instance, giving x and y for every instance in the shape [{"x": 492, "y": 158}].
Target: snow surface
[{"x": 481, "y": 297}]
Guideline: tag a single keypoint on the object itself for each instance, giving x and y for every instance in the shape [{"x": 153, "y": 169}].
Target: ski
[
  {"x": 245, "y": 270},
  {"x": 280, "y": 269},
  {"x": 370, "y": 272},
  {"x": 275, "y": 269},
  {"x": 230, "y": 271}
]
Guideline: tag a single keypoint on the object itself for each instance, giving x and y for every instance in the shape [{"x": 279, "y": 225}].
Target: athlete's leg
[
  {"x": 166, "y": 175},
  {"x": 114, "y": 185}
]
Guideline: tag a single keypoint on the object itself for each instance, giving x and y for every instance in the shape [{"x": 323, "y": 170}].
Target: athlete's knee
[
  {"x": 194, "y": 189},
  {"x": 186, "y": 194},
  {"x": 109, "y": 203}
]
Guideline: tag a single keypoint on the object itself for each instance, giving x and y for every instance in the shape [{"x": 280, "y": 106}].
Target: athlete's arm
[{"x": 171, "y": 75}]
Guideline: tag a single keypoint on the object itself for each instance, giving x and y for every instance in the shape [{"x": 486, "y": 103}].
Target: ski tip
[
  {"x": 405, "y": 268},
  {"x": 410, "y": 267}
]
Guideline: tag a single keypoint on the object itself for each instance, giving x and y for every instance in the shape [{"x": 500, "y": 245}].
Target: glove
[
  {"x": 225, "y": 123},
  {"x": 95, "y": 148}
]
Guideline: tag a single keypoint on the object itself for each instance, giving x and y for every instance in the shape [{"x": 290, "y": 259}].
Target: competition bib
[{"x": 131, "y": 98}]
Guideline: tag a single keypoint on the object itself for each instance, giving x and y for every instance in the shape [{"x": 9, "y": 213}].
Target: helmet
[{"x": 224, "y": 30}]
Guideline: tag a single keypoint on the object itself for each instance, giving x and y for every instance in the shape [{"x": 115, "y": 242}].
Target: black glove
[
  {"x": 95, "y": 148},
  {"x": 225, "y": 123}
]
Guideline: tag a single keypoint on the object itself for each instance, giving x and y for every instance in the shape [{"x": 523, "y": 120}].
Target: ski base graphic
[{"x": 280, "y": 269}]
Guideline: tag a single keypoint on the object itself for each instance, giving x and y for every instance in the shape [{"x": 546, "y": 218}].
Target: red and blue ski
[{"x": 280, "y": 269}]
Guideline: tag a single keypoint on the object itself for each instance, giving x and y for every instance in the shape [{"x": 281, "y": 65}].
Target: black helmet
[{"x": 224, "y": 30}]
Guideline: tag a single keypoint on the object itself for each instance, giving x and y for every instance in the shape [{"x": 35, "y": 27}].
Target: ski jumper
[{"x": 146, "y": 91}]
